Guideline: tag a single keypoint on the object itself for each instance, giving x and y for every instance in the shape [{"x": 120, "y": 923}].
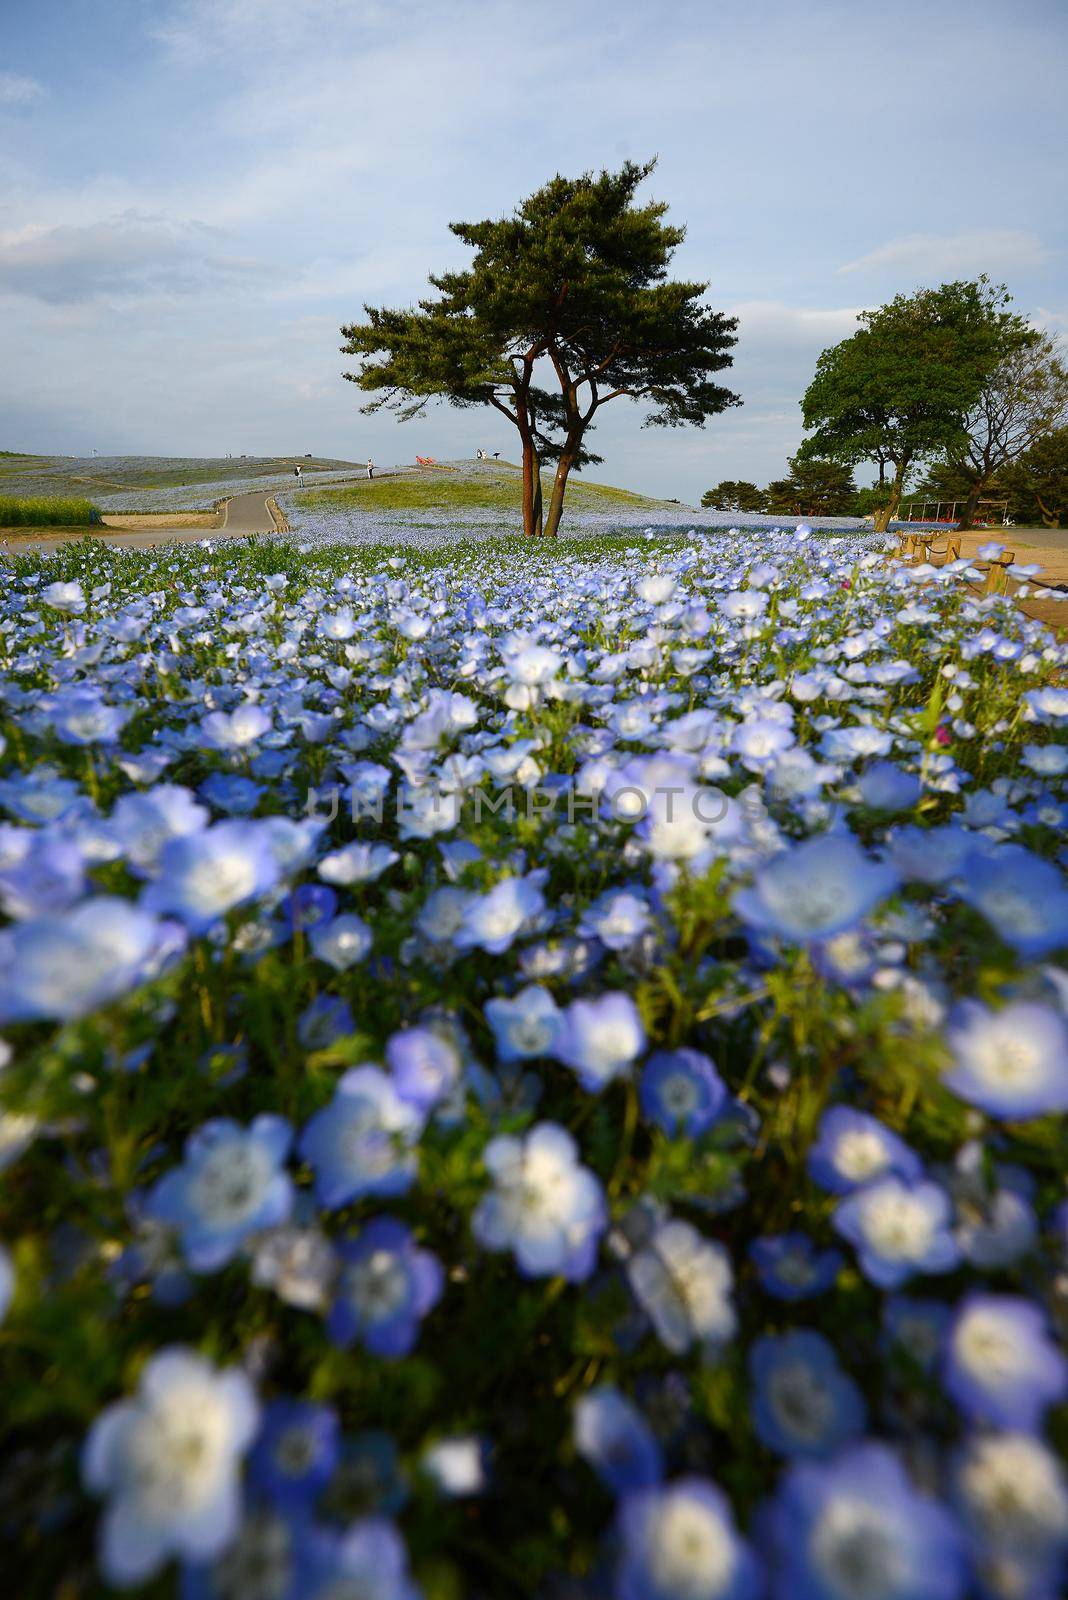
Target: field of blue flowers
[{"x": 531, "y": 1072}]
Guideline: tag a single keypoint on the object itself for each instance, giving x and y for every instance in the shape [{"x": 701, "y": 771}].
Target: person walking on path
[
  {"x": 298, "y": 473},
  {"x": 370, "y": 469}
]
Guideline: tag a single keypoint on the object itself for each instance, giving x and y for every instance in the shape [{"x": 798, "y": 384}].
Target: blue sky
[{"x": 194, "y": 194}]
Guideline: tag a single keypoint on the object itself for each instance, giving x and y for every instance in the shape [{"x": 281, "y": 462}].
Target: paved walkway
[{"x": 248, "y": 513}]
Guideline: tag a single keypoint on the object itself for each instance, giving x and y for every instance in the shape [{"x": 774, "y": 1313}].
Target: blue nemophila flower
[
  {"x": 168, "y": 1461},
  {"x": 425, "y": 1066},
  {"x": 618, "y": 918},
  {"x": 385, "y": 1288},
  {"x": 81, "y": 716},
  {"x": 326, "y": 1020},
  {"x": 614, "y": 1437},
  {"x": 683, "y": 1283},
  {"x": 682, "y": 1092},
  {"x": 66, "y": 597},
  {"x": 230, "y": 792},
  {"x": 201, "y": 876},
  {"x": 852, "y": 1148},
  {"x": 1022, "y": 897},
  {"x": 356, "y": 863},
  {"x": 40, "y": 873},
  {"x": 309, "y": 906},
  {"x": 298, "y": 1448},
  {"x": 525, "y": 1025},
  {"x": 680, "y": 1542},
  {"x": 931, "y": 855},
  {"x": 1001, "y": 1365},
  {"x": 885, "y": 787},
  {"x": 234, "y": 730},
  {"x": 803, "y": 1403},
  {"x": 544, "y": 1206},
  {"x": 1049, "y": 705},
  {"x": 493, "y": 921},
  {"x": 141, "y": 824},
  {"x": 1012, "y": 1493},
  {"x": 365, "y": 1561},
  {"x": 364, "y": 1141},
  {"x": 231, "y": 1184},
  {"x": 342, "y": 942},
  {"x": 790, "y": 1266},
  {"x": 856, "y": 1529},
  {"x": 600, "y": 1039},
  {"x": 815, "y": 890},
  {"x": 916, "y": 1327},
  {"x": 1012, "y": 1063},
  {"x": 264, "y": 1553},
  {"x": 898, "y": 1229},
  {"x": 63, "y": 967}
]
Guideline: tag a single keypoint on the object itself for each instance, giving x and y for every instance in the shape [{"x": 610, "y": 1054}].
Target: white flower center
[
  {"x": 988, "y": 1347},
  {"x": 691, "y": 1555},
  {"x": 858, "y": 1554},
  {"x": 897, "y": 1226},
  {"x": 860, "y": 1154},
  {"x": 229, "y": 1184}
]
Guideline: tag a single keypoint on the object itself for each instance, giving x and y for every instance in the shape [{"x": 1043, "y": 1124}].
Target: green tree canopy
[
  {"x": 1024, "y": 400},
  {"x": 574, "y": 284},
  {"x": 734, "y": 494},
  {"x": 900, "y": 389},
  {"x": 1037, "y": 483},
  {"x": 814, "y": 488}
]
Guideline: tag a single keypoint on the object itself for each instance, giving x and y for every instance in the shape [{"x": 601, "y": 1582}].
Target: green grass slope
[{"x": 477, "y": 486}]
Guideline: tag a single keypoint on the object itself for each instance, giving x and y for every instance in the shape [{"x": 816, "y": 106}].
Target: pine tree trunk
[
  {"x": 563, "y": 469},
  {"x": 535, "y": 491},
  {"x": 528, "y": 486}
]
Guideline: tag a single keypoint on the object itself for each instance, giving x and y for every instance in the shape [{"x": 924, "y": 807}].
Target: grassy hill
[
  {"x": 125, "y": 474},
  {"x": 470, "y": 486}
]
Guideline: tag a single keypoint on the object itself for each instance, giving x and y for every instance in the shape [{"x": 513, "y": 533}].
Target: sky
[{"x": 196, "y": 194}]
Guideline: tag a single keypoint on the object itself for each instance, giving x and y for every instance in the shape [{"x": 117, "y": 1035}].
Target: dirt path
[{"x": 240, "y": 516}]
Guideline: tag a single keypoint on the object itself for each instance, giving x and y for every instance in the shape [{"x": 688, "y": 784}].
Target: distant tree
[
  {"x": 734, "y": 495},
  {"x": 1037, "y": 483},
  {"x": 1024, "y": 400},
  {"x": 573, "y": 283},
  {"x": 900, "y": 389},
  {"x": 814, "y": 488}
]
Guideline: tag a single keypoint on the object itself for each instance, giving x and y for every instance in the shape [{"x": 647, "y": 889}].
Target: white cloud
[
  {"x": 951, "y": 254},
  {"x": 775, "y": 322},
  {"x": 15, "y": 90},
  {"x": 127, "y": 255}
]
